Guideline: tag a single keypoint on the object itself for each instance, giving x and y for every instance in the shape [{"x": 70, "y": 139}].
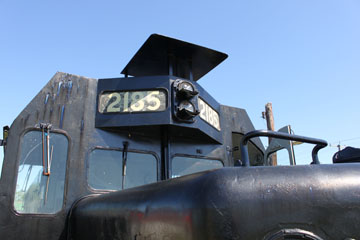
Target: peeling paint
[
  {"x": 59, "y": 88},
  {"x": 69, "y": 89},
  {"x": 62, "y": 116},
  {"x": 47, "y": 98}
]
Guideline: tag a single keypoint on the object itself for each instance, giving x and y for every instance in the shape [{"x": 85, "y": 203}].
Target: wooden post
[{"x": 270, "y": 126}]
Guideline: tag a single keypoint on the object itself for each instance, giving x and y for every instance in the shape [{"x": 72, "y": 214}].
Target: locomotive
[{"x": 153, "y": 155}]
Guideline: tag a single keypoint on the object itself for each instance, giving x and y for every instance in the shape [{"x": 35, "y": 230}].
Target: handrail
[{"x": 266, "y": 133}]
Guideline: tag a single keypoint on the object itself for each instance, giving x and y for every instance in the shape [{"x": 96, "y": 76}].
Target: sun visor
[{"x": 161, "y": 55}]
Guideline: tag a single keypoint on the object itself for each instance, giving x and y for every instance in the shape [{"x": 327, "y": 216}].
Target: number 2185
[{"x": 136, "y": 101}]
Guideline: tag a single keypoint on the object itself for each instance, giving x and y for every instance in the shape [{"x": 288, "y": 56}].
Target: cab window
[
  {"x": 105, "y": 170},
  {"x": 256, "y": 156},
  {"x": 187, "y": 165},
  {"x": 39, "y": 189}
]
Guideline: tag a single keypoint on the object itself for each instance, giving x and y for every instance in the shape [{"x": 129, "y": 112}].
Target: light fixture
[
  {"x": 186, "y": 89},
  {"x": 184, "y": 101},
  {"x": 187, "y": 110}
]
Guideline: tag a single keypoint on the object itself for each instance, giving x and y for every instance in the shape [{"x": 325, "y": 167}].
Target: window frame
[
  {"x": 87, "y": 166},
  {"x": 2, "y": 163},
  {"x": 17, "y": 165}
]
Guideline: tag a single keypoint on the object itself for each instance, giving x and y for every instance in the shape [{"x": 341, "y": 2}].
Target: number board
[
  {"x": 132, "y": 101},
  {"x": 208, "y": 114}
]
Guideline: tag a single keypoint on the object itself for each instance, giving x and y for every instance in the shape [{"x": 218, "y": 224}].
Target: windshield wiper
[
  {"x": 124, "y": 160},
  {"x": 45, "y": 129}
]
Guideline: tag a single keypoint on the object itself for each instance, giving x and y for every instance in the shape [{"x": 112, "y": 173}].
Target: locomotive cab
[
  {"x": 151, "y": 156},
  {"x": 82, "y": 136}
]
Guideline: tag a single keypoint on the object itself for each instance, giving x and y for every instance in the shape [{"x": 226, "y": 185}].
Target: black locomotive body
[{"x": 154, "y": 156}]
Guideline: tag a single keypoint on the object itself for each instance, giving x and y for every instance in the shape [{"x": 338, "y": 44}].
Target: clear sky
[{"x": 301, "y": 55}]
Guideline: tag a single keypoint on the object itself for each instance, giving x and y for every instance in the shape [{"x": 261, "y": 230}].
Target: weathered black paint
[
  {"x": 72, "y": 111},
  {"x": 229, "y": 203}
]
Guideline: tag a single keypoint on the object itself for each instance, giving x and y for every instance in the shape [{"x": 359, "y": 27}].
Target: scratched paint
[
  {"x": 82, "y": 125},
  {"x": 47, "y": 98},
  {"x": 69, "y": 89},
  {"x": 59, "y": 88},
  {"x": 62, "y": 116}
]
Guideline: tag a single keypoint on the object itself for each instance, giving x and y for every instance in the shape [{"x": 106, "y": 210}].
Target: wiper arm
[
  {"x": 124, "y": 160},
  {"x": 45, "y": 129}
]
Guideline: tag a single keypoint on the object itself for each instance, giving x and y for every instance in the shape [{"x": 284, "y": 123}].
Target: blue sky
[{"x": 301, "y": 55}]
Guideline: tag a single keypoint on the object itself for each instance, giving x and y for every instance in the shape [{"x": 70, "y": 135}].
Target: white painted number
[
  {"x": 136, "y": 101},
  {"x": 114, "y": 106},
  {"x": 126, "y": 102},
  {"x": 154, "y": 102},
  {"x": 208, "y": 114}
]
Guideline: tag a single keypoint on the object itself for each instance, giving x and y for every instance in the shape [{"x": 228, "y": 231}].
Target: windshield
[
  {"x": 187, "y": 165},
  {"x": 106, "y": 168},
  {"x": 37, "y": 192}
]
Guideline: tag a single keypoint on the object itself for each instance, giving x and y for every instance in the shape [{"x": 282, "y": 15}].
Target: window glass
[
  {"x": 105, "y": 169},
  {"x": 187, "y": 165},
  {"x": 36, "y": 192},
  {"x": 282, "y": 157},
  {"x": 256, "y": 156}
]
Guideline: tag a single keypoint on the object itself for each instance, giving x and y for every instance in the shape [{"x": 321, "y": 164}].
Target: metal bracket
[
  {"x": 46, "y": 126},
  {"x": 5, "y": 137}
]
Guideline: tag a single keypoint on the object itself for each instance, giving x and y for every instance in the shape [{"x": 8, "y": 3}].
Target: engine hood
[{"x": 228, "y": 203}]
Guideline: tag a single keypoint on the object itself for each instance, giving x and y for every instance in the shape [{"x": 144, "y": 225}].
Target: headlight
[
  {"x": 187, "y": 110},
  {"x": 186, "y": 89}
]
